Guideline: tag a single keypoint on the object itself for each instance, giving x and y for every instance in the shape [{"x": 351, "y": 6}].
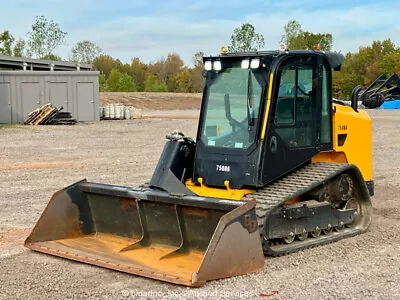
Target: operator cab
[{"x": 263, "y": 114}]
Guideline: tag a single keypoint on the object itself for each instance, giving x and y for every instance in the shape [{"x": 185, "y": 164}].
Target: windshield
[{"x": 232, "y": 109}]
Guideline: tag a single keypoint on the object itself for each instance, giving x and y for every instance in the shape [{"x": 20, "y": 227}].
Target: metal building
[{"x": 32, "y": 83}]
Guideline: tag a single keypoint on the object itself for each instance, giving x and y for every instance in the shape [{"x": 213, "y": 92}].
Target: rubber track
[{"x": 290, "y": 186}]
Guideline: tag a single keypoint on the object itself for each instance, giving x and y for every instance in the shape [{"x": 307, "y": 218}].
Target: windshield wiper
[{"x": 250, "y": 103}]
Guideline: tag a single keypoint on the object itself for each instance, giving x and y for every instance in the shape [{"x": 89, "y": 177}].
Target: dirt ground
[
  {"x": 37, "y": 161},
  {"x": 153, "y": 101}
]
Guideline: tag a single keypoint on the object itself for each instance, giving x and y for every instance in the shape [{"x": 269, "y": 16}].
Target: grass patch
[{"x": 9, "y": 125}]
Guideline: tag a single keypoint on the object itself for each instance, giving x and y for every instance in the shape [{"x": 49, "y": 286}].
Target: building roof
[{"x": 31, "y": 64}]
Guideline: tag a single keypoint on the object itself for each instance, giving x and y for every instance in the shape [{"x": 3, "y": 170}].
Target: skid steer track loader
[{"x": 277, "y": 166}]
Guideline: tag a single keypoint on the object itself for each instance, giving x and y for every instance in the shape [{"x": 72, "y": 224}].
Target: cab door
[{"x": 294, "y": 123}]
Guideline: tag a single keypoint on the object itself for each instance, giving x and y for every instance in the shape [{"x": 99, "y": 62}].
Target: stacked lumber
[
  {"x": 63, "y": 118},
  {"x": 49, "y": 115}
]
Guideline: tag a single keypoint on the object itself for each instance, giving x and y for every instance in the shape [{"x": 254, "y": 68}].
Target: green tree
[
  {"x": 126, "y": 84},
  {"x": 153, "y": 84},
  {"x": 102, "y": 83},
  {"x": 292, "y": 30},
  {"x": 6, "y": 42},
  {"x": 85, "y": 51},
  {"x": 112, "y": 82},
  {"x": 174, "y": 64},
  {"x": 19, "y": 47},
  {"x": 183, "y": 81},
  {"x": 8, "y": 45},
  {"x": 119, "y": 82},
  {"x": 124, "y": 68},
  {"x": 138, "y": 72},
  {"x": 105, "y": 64},
  {"x": 159, "y": 69},
  {"x": 167, "y": 69},
  {"x": 390, "y": 63},
  {"x": 364, "y": 66},
  {"x": 198, "y": 59},
  {"x": 310, "y": 41},
  {"x": 245, "y": 38},
  {"x": 297, "y": 39},
  {"x": 45, "y": 37},
  {"x": 196, "y": 79},
  {"x": 51, "y": 57}
]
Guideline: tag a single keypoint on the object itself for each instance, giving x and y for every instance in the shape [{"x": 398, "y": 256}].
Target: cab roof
[{"x": 335, "y": 59}]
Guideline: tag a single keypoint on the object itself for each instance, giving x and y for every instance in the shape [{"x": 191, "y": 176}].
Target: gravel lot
[{"x": 37, "y": 161}]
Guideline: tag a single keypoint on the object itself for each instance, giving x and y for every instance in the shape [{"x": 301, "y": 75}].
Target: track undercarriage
[{"x": 318, "y": 204}]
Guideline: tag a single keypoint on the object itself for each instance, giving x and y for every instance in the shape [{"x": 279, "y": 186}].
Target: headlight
[
  {"x": 217, "y": 65},
  {"x": 245, "y": 63},
  {"x": 208, "y": 65},
  {"x": 255, "y": 63}
]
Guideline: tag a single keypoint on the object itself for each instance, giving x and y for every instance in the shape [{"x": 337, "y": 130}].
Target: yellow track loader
[{"x": 277, "y": 166}]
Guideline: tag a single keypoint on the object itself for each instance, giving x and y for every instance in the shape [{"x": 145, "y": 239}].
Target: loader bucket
[{"x": 181, "y": 239}]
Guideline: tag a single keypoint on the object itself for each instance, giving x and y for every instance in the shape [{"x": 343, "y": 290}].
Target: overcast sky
[{"x": 151, "y": 29}]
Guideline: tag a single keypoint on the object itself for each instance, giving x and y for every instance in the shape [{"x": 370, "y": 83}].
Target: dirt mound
[{"x": 158, "y": 101}]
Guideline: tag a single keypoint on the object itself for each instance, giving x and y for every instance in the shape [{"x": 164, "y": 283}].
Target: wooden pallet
[{"x": 49, "y": 115}]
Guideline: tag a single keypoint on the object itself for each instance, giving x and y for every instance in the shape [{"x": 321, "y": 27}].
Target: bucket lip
[
  {"x": 141, "y": 194},
  {"x": 142, "y": 271}
]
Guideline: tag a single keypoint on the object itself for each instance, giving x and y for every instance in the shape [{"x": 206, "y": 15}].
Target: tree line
[
  {"x": 364, "y": 66},
  {"x": 164, "y": 75},
  {"x": 170, "y": 74}
]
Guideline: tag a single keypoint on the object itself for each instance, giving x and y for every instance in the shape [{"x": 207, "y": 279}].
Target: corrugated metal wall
[{"x": 23, "y": 91}]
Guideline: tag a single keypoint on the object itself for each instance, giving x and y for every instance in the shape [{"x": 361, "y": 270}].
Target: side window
[
  {"x": 285, "y": 107},
  {"x": 294, "y": 112},
  {"x": 325, "y": 109}
]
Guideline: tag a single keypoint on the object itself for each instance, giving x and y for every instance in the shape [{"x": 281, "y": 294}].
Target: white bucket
[
  {"x": 101, "y": 112},
  {"x": 112, "y": 111},
  {"x": 107, "y": 111},
  {"x": 117, "y": 111},
  {"x": 122, "y": 111},
  {"x": 127, "y": 113}
]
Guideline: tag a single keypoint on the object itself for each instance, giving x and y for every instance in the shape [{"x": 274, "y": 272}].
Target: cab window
[{"x": 295, "y": 105}]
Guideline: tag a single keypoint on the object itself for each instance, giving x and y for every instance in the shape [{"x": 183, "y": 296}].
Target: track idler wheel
[
  {"x": 315, "y": 233},
  {"x": 289, "y": 239},
  {"x": 328, "y": 230},
  {"x": 302, "y": 236},
  {"x": 353, "y": 204},
  {"x": 340, "y": 227}
]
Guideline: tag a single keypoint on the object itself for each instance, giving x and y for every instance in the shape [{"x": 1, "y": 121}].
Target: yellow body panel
[
  {"x": 357, "y": 148},
  {"x": 227, "y": 193}
]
